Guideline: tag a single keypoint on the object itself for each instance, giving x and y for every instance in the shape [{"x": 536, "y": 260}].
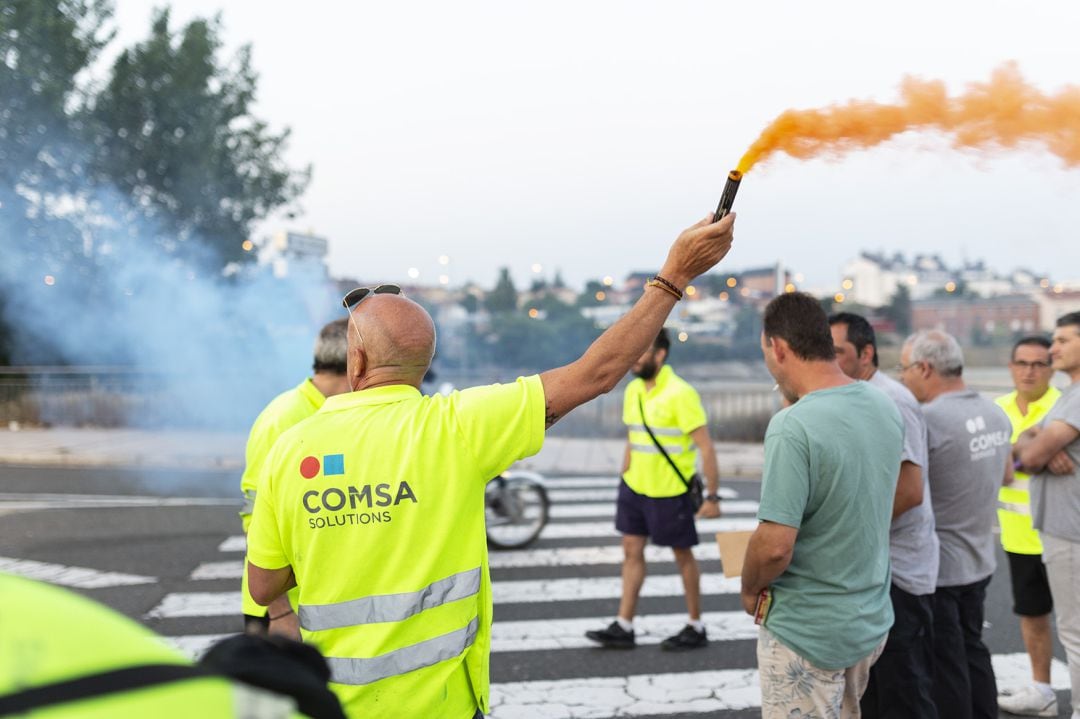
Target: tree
[
  {"x": 899, "y": 310},
  {"x": 44, "y": 46},
  {"x": 177, "y": 134},
  {"x": 503, "y": 297}
]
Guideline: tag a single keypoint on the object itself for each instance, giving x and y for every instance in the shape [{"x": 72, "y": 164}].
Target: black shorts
[
  {"x": 668, "y": 521},
  {"x": 256, "y": 625},
  {"x": 1030, "y": 587}
]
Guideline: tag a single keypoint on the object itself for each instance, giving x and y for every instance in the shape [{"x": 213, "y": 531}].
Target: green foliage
[
  {"x": 557, "y": 337},
  {"x": 503, "y": 297},
  {"x": 177, "y": 134}
]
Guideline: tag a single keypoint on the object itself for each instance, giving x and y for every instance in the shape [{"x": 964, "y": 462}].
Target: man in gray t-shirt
[
  {"x": 901, "y": 680},
  {"x": 1051, "y": 453},
  {"x": 969, "y": 457}
]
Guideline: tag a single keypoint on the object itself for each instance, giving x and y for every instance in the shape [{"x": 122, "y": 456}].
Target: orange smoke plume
[{"x": 1003, "y": 113}]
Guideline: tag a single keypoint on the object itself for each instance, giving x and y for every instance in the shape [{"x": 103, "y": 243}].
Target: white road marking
[
  {"x": 232, "y": 569},
  {"x": 609, "y": 483},
  {"x": 234, "y": 544},
  {"x": 678, "y": 693},
  {"x": 589, "y": 556},
  {"x": 14, "y": 501},
  {"x": 607, "y": 509},
  {"x": 542, "y": 634},
  {"x": 212, "y": 604},
  {"x": 78, "y": 577},
  {"x": 196, "y": 604},
  {"x": 591, "y": 530},
  {"x": 195, "y": 645}
]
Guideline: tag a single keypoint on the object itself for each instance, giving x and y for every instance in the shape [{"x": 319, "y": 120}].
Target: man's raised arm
[{"x": 697, "y": 250}]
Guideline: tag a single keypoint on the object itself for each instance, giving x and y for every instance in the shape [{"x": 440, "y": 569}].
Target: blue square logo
[{"x": 333, "y": 464}]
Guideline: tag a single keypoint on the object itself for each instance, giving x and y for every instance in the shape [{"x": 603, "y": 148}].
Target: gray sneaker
[{"x": 1029, "y": 702}]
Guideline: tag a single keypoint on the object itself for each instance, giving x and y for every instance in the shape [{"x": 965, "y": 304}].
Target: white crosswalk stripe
[
  {"x": 537, "y": 616},
  {"x": 65, "y": 576}
]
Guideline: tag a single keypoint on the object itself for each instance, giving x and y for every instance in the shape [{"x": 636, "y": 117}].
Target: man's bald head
[{"x": 398, "y": 338}]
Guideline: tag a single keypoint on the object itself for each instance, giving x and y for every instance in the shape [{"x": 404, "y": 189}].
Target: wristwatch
[{"x": 712, "y": 497}]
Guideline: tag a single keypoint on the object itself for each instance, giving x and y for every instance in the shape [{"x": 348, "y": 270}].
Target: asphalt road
[{"x": 164, "y": 548}]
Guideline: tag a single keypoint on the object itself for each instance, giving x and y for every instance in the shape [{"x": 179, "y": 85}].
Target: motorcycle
[{"x": 516, "y": 509}]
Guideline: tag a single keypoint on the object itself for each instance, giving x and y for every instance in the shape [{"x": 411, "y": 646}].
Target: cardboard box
[{"x": 732, "y": 551}]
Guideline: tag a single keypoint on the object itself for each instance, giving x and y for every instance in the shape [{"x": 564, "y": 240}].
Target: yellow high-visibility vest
[
  {"x": 377, "y": 504},
  {"x": 1014, "y": 501},
  {"x": 282, "y": 412},
  {"x": 672, "y": 411},
  {"x": 49, "y": 635}
]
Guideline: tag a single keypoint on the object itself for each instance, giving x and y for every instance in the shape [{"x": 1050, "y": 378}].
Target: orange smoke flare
[{"x": 1004, "y": 113}]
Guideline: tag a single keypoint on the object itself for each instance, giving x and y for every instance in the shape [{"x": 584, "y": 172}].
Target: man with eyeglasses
[
  {"x": 285, "y": 410},
  {"x": 1055, "y": 493},
  {"x": 375, "y": 505},
  {"x": 1026, "y": 406},
  {"x": 969, "y": 458}
]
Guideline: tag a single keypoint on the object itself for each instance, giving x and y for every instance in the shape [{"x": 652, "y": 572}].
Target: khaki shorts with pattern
[{"x": 793, "y": 687}]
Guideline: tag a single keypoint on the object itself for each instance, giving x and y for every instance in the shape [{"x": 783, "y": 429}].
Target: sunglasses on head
[{"x": 354, "y": 297}]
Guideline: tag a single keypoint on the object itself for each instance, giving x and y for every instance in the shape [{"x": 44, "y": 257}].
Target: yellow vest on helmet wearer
[
  {"x": 285, "y": 410},
  {"x": 672, "y": 411},
  {"x": 1014, "y": 501},
  {"x": 49, "y": 635},
  {"x": 377, "y": 504}
]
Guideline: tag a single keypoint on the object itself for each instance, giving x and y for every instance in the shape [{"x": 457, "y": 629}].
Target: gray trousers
[{"x": 1062, "y": 560}]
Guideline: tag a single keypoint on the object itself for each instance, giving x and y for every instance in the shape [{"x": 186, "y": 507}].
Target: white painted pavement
[
  {"x": 595, "y": 530},
  {"x": 556, "y": 557},
  {"x": 680, "y": 693},
  {"x": 607, "y": 509},
  {"x": 77, "y": 577},
  {"x": 528, "y": 591},
  {"x": 26, "y": 501}
]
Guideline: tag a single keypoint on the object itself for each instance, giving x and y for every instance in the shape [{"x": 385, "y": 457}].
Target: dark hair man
[
  {"x": 1026, "y": 406},
  {"x": 1048, "y": 451},
  {"x": 900, "y": 680},
  {"x": 285, "y": 410},
  {"x": 653, "y": 501},
  {"x": 375, "y": 505},
  {"x": 969, "y": 458},
  {"x": 820, "y": 556}
]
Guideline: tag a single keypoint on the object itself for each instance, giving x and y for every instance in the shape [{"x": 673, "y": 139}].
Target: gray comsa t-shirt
[
  {"x": 1055, "y": 499},
  {"x": 970, "y": 447}
]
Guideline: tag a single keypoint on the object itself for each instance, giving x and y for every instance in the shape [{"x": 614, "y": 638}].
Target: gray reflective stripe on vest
[
  {"x": 404, "y": 660},
  {"x": 249, "y": 502},
  {"x": 651, "y": 449},
  {"x": 389, "y": 607},
  {"x": 658, "y": 431},
  {"x": 1014, "y": 507}
]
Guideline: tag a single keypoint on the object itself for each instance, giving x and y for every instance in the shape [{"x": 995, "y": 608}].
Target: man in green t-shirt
[{"x": 816, "y": 574}]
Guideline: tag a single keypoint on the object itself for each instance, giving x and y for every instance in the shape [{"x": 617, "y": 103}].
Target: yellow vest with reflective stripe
[
  {"x": 377, "y": 504},
  {"x": 672, "y": 411},
  {"x": 1014, "y": 501},
  {"x": 50, "y": 635},
  {"x": 280, "y": 414}
]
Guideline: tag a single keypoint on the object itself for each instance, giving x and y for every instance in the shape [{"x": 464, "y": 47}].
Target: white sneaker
[{"x": 1029, "y": 702}]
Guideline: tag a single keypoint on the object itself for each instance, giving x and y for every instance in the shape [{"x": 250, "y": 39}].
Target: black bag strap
[
  {"x": 641, "y": 406},
  {"x": 97, "y": 685}
]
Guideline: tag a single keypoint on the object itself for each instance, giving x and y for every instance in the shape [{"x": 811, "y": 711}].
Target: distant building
[
  {"x": 1054, "y": 303},
  {"x": 289, "y": 250},
  {"x": 978, "y": 319}
]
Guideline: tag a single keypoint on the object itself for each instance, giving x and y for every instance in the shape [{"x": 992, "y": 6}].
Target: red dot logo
[{"x": 309, "y": 467}]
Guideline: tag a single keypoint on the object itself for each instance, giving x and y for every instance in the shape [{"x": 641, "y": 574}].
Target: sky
[{"x": 584, "y": 136}]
